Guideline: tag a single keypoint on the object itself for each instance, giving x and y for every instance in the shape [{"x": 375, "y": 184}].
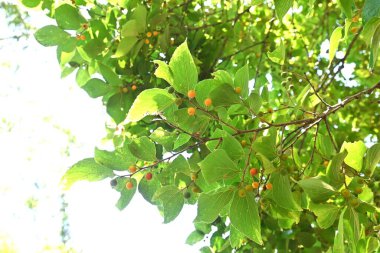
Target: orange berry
[
  {"x": 132, "y": 169},
  {"x": 148, "y": 176},
  {"x": 355, "y": 19},
  {"x": 148, "y": 34},
  {"x": 268, "y": 186},
  {"x": 82, "y": 37},
  {"x": 191, "y": 111},
  {"x": 354, "y": 29},
  {"x": 242, "y": 193},
  {"x": 253, "y": 171},
  {"x": 155, "y": 33},
  {"x": 208, "y": 102},
  {"x": 77, "y": 36},
  {"x": 191, "y": 94},
  {"x": 255, "y": 185},
  {"x": 134, "y": 87},
  {"x": 238, "y": 90},
  {"x": 146, "y": 41},
  {"x": 129, "y": 185}
]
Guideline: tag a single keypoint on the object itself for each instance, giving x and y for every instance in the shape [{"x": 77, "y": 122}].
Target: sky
[{"x": 46, "y": 125}]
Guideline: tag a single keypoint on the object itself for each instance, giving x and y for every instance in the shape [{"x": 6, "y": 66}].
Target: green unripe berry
[
  {"x": 186, "y": 195},
  {"x": 345, "y": 193},
  {"x": 113, "y": 182},
  {"x": 354, "y": 203},
  {"x": 171, "y": 90}
]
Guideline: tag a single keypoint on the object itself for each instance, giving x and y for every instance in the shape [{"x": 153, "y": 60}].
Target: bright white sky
[{"x": 36, "y": 109}]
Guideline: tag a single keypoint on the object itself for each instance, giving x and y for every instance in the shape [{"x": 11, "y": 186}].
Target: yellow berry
[{"x": 148, "y": 34}]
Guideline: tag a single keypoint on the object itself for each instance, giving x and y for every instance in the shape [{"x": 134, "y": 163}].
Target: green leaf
[
  {"x": 126, "y": 195},
  {"x": 325, "y": 146},
  {"x": 139, "y": 14},
  {"x": 334, "y": 42},
  {"x": 346, "y": 6},
  {"x": 68, "y": 17},
  {"x": 148, "y": 188},
  {"x": 125, "y": 46},
  {"x": 86, "y": 169},
  {"x": 163, "y": 137},
  {"x": 217, "y": 166},
  {"x": 370, "y": 29},
  {"x": 266, "y": 145},
  {"x": 163, "y": 71},
  {"x": 194, "y": 237},
  {"x": 334, "y": 172},
  {"x": 326, "y": 214},
  {"x": 185, "y": 74},
  {"x": 241, "y": 80},
  {"x": 232, "y": 147},
  {"x": 143, "y": 148},
  {"x": 282, "y": 193},
  {"x": 119, "y": 159},
  {"x": 254, "y": 102},
  {"x": 372, "y": 158},
  {"x": 317, "y": 189},
  {"x": 356, "y": 151},
  {"x": 129, "y": 29},
  {"x": 267, "y": 165},
  {"x": 210, "y": 204},
  {"x": 182, "y": 139},
  {"x": 371, "y": 9},
  {"x": 150, "y": 102},
  {"x": 223, "y": 77},
  {"x": 96, "y": 88},
  {"x": 179, "y": 164},
  {"x": 203, "y": 90},
  {"x": 51, "y": 35},
  {"x": 245, "y": 217},
  {"x": 374, "y": 48},
  {"x": 171, "y": 200},
  {"x": 278, "y": 55},
  {"x": 354, "y": 224},
  {"x": 31, "y": 3},
  {"x": 282, "y": 7},
  {"x": 109, "y": 75},
  {"x": 118, "y": 106},
  {"x": 339, "y": 237},
  {"x": 220, "y": 98},
  {"x": 372, "y": 245}
]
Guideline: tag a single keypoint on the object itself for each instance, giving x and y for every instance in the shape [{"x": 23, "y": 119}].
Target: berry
[
  {"x": 132, "y": 169},
  {"x": 255, "y": 185},
  {"x": 129, "y": 185},
  {"x": 134, "y": 87},
  {"x": 242, "y": 193},
  {"x": 354, "y": 202},
  {"x": 191, "y": 111},
  {"x": 194, "y": 176},
  {"x": 124, "y": 90},
  {"x": 196, "y": 189},
  {"x": 253, "y": 171},
  {"x": 243, "y": 143},
  {"x": 148, "y": 176},
  {"x": 358, "y": 190},
  {"x": 148, "y": 34},
  {"x": 354, "y": 29},
  {"x": 237, "y": 90},
  {"x": 85, "y": 26},
  {"x": 248, "y": 188},
  {"x": 345, "y": 193},
  {"x": 268, "y": 186},
  {"x": 113, "y": 182},
  {"x": 186, "y": 195},
  {"x": 191, "y": 94},
  {"x": 171, "y": 90},
  {"x": 178, "y": 101},
  {"x": 355, "y": 19},
  {"x": 155, "y": 33},
  {"x": 270, "y": 110},
  {"x": 325, "y": 163},
  {"x": 146, "y": 41},
  {"x": 208, "y": 102}
]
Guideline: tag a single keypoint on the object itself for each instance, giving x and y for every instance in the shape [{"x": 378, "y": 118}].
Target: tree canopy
[{"x": 263, "y": 113}]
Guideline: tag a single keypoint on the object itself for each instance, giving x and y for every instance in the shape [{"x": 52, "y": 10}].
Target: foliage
[{"x": 203, "y": 91}]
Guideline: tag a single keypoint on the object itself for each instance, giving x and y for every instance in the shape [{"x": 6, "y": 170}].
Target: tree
[{"x": 235, "y": 106}]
